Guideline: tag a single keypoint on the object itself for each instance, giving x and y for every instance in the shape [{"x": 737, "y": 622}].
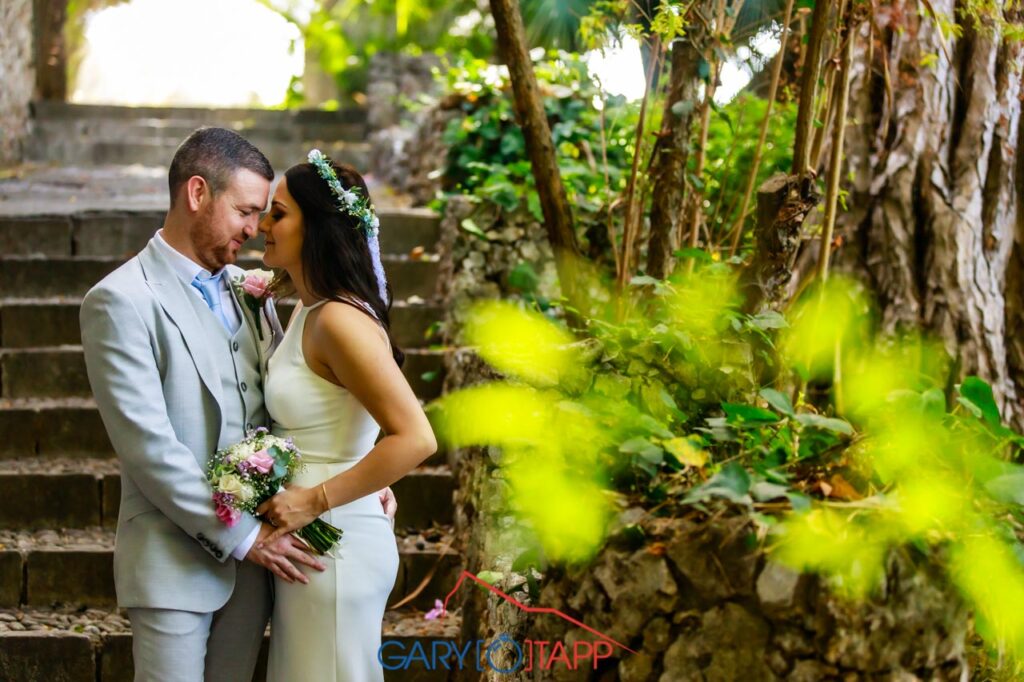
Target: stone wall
[
  {"x": 700, "y": 601},
  {"x": 408, "y": 152},
  {"x": 17, "y": 75}
]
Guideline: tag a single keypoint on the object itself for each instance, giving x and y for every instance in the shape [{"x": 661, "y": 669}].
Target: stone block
[
  {"x": 42, "y": 278},
  {"x": 425, "y": 373},
  {"x": 29, "y": 501},
  {"x": 50, "y": 656},
  {"x": 35, "y": 236},
  {"x": 110, "y": 499},
  {"x": 32, "y": 325},
  {"x": 116, "y": 663},
  {"x": 12, "y": 576},
  {"x": 43, "y": 374},
  {"x": 71, "y": 431},
  {"x": 83, "y": 576},
  {"x": 424, "y": 498},
  {"x": 114, "y": 233}
]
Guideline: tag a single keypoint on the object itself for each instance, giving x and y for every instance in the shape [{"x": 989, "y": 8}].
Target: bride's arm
[{"x": 349, "y": 346}]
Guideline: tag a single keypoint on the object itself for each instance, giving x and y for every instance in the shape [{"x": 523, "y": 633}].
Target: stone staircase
[
  {"x": 59, "y": 481},
  {"x": 84, "y": 134}
]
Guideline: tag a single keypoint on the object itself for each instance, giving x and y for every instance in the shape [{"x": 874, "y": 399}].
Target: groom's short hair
[{"x": 214, "y": 154}]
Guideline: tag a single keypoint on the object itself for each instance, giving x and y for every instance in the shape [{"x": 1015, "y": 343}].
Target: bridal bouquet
[{"x": 248, "y": 473}]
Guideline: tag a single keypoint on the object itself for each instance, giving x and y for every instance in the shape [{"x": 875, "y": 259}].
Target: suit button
[
  {"x": 234, "y": 346},
  {"x": 244, "y": 387}
]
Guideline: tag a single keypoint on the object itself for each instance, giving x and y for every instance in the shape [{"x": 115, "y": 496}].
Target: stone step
[
  {"x": 78, "y": 493},
  {"x": 119, "y": 233},
  {"x": 33, "y": 323},
  {"x": 69, "y": 645},
  {"x": 49, "y": 111},
  {"x": 59, "y": 372},
  {"x": 76, "y": 567},
  {"x": 123, "y": 233},
  {"x": 173, "y": 130},
  {"x": 45, "y": 277},
  {"x": 150, "y": 152}
]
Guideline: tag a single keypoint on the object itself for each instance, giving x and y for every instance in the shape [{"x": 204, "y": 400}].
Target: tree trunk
[
  {"x": 51, "y": 55},
  {"x": 671, "y": 154},
  {"x": 530, "y": 115},
  {"x": 935, "y": 220}
]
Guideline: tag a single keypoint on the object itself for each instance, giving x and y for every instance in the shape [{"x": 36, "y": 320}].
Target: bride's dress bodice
[{"x": 325, "y": 421}]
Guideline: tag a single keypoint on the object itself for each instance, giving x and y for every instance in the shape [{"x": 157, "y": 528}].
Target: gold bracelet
[{"x": 327, "y": 502}]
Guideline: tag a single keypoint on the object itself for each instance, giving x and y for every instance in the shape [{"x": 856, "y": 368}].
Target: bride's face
[{"x": 282, "y": 228}]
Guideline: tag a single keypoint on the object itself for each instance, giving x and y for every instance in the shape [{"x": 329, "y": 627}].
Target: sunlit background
[{"x": 240, "y": 53}]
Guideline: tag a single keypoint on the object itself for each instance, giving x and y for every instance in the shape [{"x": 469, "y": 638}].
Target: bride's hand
[{"x": 291, "y": 509}]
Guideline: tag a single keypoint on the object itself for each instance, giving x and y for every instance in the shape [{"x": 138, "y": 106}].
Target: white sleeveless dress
[{"x": 330, "y": 629}]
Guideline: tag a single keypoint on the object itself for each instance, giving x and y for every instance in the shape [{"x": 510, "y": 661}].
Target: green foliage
[
  {"x": 732, "y": 141},
  {"x": 661, "y": 399},
  {"x": 344, "y": 34},
  {"x": 487, "y": 153}
]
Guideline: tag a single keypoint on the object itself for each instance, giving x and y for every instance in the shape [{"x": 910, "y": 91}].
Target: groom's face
[{"x": 227, "y": 219}]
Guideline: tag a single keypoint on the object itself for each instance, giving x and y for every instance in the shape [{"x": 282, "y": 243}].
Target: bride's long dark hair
[{"x": 336, "y": 259}]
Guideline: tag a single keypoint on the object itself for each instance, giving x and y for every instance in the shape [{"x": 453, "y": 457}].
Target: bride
[{"x": 332, "y": 385}]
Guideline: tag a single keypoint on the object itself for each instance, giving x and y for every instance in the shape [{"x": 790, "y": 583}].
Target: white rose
[{"x": 232, "y": 485}]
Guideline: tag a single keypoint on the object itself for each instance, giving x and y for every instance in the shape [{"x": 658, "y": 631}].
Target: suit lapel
[
  {"x": 172, "y": 296},
  {"x": 249, "y": 319}
]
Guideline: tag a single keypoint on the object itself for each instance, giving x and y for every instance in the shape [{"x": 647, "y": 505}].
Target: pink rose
[
  {"x": 227, "y": 515},
  {"x": 255, "y": 286},
  {"x": 260, "y": 461}
]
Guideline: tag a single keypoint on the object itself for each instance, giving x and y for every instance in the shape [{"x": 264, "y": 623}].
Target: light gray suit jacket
[{"x": 158, "y": 391}]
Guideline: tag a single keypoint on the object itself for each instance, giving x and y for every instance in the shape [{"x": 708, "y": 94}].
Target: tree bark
[
  {"x": 671, "y": 155},
  {"x": 529, "y": 108},
  {"x": 935, "y": 220},
  {"x": 51, "y": 55}
]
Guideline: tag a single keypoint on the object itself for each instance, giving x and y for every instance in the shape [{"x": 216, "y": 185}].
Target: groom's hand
[{"x": 282, "y": 555}]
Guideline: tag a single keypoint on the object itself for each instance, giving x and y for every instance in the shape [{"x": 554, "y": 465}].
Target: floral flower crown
[{"x": 353, "y": 203}]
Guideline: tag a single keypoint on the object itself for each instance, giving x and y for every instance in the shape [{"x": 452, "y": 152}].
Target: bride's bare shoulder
[{"x": 344, "y": 325}]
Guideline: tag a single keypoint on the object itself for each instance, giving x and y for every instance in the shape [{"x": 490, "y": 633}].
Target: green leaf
[
  {"x": 524, "y": 278},
  {"x": 704, "y": 70},
  {"x": 531, "y": 558},
  {"x": 644, "y": 448},
  {"x": 682, "y": 107},
  {"x": 430, "y": 376},
  {"x": 763, "y": 491},
  {"x": 816, "y": 421},
  {"x": 490, "y": 577},
  {"x": 1008, "y": 488},
  {"x": 769, "y": 320},
  {"x": 731, "y": 483},
  {"x": 699, "y": 255},
  {"x": 979, "y": 393},
  {"x": 471, "y": 227},
  {"x": 779, "y": 400},
  {"x": 738, "y": 414},
  {"x": 799, "y": 501}
]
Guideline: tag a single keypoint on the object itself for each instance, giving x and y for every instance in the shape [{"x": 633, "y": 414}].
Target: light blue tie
[{"x": 210, "y": 287}]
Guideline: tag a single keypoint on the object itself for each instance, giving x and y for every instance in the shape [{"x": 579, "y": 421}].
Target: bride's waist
[{"x": 318, "y": 447}]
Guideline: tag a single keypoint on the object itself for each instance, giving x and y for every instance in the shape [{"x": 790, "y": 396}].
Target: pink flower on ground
[
  {"x": 436, "y": 612},
  {"x": 255, "y": 286},
  {"x": 227, "y": 515},
  {"x": 260, "y": 461}
]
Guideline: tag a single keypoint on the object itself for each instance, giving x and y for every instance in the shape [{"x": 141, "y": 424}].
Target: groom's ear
[{"x": 197, "y": 191}]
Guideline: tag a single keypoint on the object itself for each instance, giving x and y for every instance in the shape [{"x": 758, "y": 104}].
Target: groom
[{"x": 175, "y": 367}]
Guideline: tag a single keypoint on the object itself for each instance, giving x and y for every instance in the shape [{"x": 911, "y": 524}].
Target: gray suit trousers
[{"x": 185, "y": 646}]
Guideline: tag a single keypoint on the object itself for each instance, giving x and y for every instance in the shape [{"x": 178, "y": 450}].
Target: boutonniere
[{"x": 251, "y": 287}]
